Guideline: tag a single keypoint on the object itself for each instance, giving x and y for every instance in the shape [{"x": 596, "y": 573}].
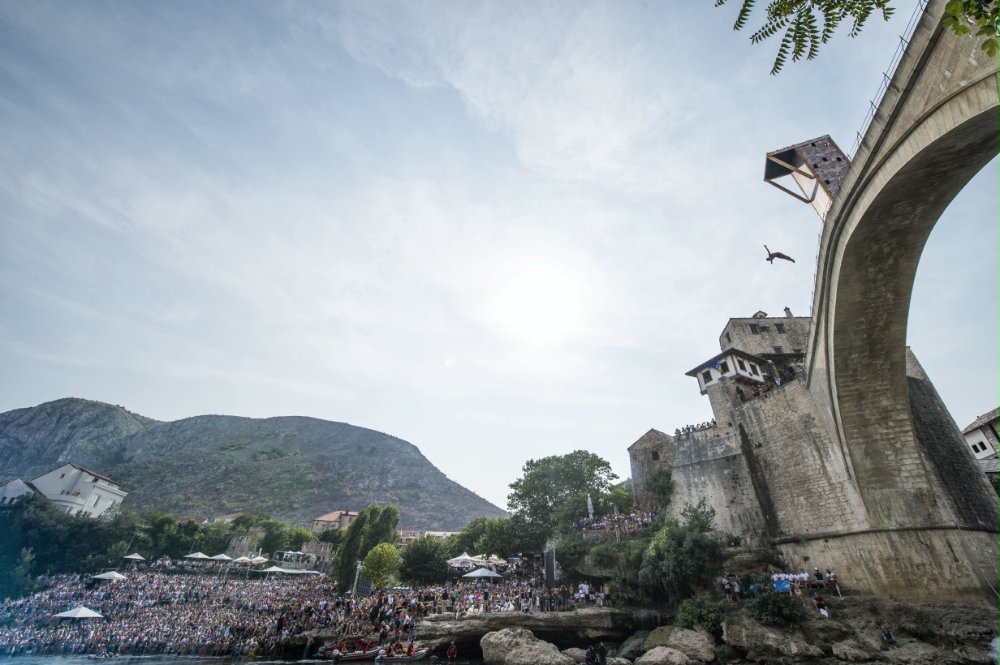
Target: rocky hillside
[{"x": 293, "y": 468}]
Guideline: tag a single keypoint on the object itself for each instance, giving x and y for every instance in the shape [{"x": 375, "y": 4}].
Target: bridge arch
[{"x": 936, "y": 127}]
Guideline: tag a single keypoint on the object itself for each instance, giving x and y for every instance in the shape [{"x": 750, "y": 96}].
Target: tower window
[
  {"x": 655, "y": 455},
  {"x": 754, "y": 329},
  {"x": 754, "y": 370},
  {"x": 739, "y": 363},
  {"x": 724, "y": 367},
  {"x": 728, "y": 338},
  {"x": 706, "y": 376},
  {"x": 780, "y": 327}
]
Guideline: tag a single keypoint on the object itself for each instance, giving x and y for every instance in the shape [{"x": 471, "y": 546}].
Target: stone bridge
[{"x": 935, "y": 128}]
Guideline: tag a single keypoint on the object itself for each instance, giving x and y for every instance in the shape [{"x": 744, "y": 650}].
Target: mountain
[{"x": 293, "y": 468}]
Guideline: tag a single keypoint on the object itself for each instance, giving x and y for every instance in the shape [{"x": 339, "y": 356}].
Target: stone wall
[
  {"x": 737, "y": 334},
  {"x": 709, "y": 465},
  {"x": 959, "y": 481},
  {"x": 795, "y": 462},
  {"x": 653, "y": 450}
]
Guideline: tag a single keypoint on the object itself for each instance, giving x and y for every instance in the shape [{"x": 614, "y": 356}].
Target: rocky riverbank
[{"x": 927, "y": 634}]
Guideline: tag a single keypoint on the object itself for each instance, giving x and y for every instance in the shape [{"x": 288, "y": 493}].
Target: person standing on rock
[
  {"x": 602, "y": 654},
  {"x": 591, "y": 655},
  {"x": 452, "y": 651}
]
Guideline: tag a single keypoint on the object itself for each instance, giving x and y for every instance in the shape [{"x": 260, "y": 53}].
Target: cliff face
[{"x": 293, "y": 468}]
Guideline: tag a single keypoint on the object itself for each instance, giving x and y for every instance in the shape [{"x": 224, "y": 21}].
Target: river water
[{"x": 166, "y": 660}]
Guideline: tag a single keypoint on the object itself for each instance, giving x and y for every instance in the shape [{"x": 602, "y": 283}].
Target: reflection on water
[{"x": 166, "y": 660}]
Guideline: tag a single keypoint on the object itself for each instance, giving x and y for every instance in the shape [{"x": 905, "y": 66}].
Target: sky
[{"x": 498, "y": 230}]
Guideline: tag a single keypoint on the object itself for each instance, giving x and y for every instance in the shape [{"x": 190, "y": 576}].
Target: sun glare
[{"x": 539, "y": 305}]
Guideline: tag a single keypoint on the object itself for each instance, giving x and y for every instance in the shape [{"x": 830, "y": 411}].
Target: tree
[
  {"x": 808, "y": 24},
  {"x": 374, "y": 525},
  {"x": 424, "y": 561},
  {"x": 660, "y": 486},
  {"x": 332, "y": 536},
  {"x": 381, "y": 564},
  {"x": 553, "y": 490},
  {"x": 681, "y": 557}
]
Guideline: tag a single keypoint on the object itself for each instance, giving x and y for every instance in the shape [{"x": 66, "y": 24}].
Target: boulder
[
  {"x": 618, "y": 660},
  {"x": 657, "y": 637},
  {"x": 852, "y": 651},
  {"x": 763, "y": 643},
  {"x": 917, "y": 653},
  {"x": 579, "y": 655},
  {"x": 663, "y": 656},
  {"x": 632, "y": 647},
  {"x": 696, "y": 645},
  {"x": 519, "y": 646}
]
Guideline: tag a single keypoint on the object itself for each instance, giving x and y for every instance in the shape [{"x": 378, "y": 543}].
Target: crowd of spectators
[
  {"x": 623, "y": 522},
  {"x": 687, "y": 429},
  {"x": 155, "y": 612}
]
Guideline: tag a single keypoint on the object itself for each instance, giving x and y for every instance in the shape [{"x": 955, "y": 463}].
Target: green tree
[
  {"x": 381, "y": 564},
  {"x": 682, "y": 557},
  {"x": 350, "y": 551},
  {"x": 424, "y": 561},
  {"x": 332, "y": 536},
  {"x": 298, "y": 536},
  {"x": 553, "y": 490},
  {"x": 383, "y": 527},
  {"x": 373, "y": 526},
  {"x": 660, "y": 487},
  {"x": 805, "y": 25}
]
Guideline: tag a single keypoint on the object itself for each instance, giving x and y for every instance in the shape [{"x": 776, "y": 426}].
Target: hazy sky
[{"x": 499, "y": 230}]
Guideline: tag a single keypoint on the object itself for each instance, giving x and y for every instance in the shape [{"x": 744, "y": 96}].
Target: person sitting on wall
[{"x": 888, "y": 637}]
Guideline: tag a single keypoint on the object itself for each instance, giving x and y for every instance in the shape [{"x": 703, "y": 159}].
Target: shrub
[
  {"x": 605, "y": 554},
  {"x": 703, "y": 611},
  {"x": 775, "y": 609}
]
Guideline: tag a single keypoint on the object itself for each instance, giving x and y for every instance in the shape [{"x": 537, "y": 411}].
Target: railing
[{"x": 904, "y": 40}]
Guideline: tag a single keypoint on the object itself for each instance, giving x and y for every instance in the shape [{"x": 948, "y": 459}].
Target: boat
[
  {"x": 352, "y": 656},
  {"x": 420, "y": 654}
]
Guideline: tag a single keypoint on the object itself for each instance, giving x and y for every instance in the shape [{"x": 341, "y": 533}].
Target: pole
[{"x": 357, "y": 574}]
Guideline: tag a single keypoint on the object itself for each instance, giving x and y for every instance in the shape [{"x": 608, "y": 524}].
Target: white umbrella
[
  {"x": 273, "y": 569},
  {"x": 200, "y": 556},
  {"x": 482, "y": 572},
  {"x": 241, "y": 559},
  {"x": 135, "y": 556},
  {"x": 110, "y": 575},
  {"x": 221, "y": 557},
  {"x": 259, "y": 559},
  {"x": 462, "y": 559},
  {"x": 80, "y": 612}
]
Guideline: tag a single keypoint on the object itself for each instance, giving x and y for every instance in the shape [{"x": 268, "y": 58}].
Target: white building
[
  {"x": 981, "y": 435},
  {"x": 77, "y": 490},
  {"x": 13, "y": 491}
]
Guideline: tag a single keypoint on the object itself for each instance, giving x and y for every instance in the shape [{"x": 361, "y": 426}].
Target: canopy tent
[
  {"x": 273, "y": 569},
  {"x": 258, "y": 559},
  {"x": 199, "y": 556},
  {"x": 241, "y": 559},
  {"x": 80, "y": 612},
  {"x": 110, "y": 575},
  {"x": 482, "y": 572},
  {"x": 221, "y": 557},
  {"x": 134, "y": 556},
  {"x": 463, "y": 560}
]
